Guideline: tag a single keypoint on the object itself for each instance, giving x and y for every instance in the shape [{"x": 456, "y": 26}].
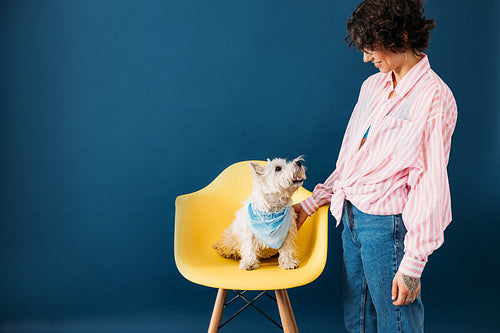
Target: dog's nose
[{"x": 298, "y": 163}]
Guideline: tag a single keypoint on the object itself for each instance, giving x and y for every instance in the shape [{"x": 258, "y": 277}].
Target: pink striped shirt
[{"x": 401, "y": 168}]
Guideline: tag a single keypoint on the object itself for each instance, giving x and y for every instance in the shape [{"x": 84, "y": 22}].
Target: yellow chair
[{"x": 200, "y": 219}]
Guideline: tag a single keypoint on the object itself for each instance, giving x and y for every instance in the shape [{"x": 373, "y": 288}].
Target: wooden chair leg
[
  {"x": 218, "y": 311},
  {"x": 286, "y": 312}
]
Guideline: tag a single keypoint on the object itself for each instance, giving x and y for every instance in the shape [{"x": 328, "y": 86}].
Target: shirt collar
[
  {"x": 409, "y": 80},
  {"x": 387, "y": 81}
]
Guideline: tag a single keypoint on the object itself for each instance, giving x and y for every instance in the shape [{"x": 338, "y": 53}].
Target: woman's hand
[
  {"x": 301, "y": 214},
  {"x": 405, "y": 289}
]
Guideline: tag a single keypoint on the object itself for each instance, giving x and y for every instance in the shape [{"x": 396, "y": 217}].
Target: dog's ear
[{"x": 257, "y": 169}]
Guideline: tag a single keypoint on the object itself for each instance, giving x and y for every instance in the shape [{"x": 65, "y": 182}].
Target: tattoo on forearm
[{"x": 411, "y": 282}]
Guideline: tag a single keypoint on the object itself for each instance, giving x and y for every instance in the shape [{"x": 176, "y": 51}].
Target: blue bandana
[{"x": 271, "y": 228}]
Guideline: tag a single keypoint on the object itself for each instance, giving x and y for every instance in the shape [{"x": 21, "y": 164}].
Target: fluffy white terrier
[{"x": 265, "y": 225}]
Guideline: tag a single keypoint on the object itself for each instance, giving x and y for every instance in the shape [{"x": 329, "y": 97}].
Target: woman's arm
[{"x": 428, "y": 210}]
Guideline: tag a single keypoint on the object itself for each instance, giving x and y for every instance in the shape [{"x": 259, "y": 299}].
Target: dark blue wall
[{"x": 110, "y": 109}]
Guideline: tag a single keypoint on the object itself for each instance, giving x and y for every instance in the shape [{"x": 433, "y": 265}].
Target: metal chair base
[{"x": 288, "y": 324}]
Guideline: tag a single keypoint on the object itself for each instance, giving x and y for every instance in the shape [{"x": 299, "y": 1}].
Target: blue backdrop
[{"x": 110, "y": 109}]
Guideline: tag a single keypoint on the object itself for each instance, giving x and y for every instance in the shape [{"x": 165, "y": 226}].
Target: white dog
[{"x": 265, "y": 225}]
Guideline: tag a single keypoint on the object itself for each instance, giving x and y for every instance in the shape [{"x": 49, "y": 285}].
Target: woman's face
[{"x": 386, "y": 61}]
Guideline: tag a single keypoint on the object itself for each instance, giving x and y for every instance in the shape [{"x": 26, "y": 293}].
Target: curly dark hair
[{"x": 395, "y": 25}]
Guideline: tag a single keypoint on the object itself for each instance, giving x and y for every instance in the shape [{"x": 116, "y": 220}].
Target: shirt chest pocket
[{"x": 389, "y": 137}]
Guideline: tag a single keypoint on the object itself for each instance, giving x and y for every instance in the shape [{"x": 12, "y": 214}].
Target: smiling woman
[{"x": 390, "y": 186}]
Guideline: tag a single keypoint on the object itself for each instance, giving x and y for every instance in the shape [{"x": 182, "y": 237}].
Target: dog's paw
[
  {"x": 248, "y": 266},
  {"x": 289, "y": 263}
]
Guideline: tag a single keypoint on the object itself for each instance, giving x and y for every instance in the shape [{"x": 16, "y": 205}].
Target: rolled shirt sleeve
[{"x": 321, "y": 195}]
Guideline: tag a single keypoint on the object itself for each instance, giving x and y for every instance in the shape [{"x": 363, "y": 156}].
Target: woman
[{"x": 390, "y": 186}]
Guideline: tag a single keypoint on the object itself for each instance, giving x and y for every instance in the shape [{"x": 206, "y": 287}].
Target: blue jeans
[{"x": 373, "y": 248}]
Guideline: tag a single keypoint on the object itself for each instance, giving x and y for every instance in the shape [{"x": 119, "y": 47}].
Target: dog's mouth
[{"x": 298, "y": 180}]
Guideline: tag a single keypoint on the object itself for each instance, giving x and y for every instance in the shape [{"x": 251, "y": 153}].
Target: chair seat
[{"x": 202, "y": 216}]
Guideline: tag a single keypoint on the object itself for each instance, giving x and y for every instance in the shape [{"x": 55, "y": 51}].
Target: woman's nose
[{"x": 367, "y": 57}]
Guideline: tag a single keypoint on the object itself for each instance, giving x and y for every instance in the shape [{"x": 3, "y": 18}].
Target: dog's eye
[{"x": 278, "y": 168}]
